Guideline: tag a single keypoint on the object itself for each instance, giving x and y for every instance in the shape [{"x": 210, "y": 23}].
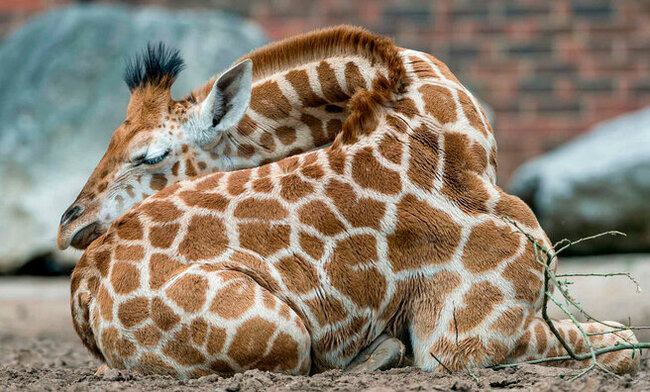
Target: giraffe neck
[
  {"x": 303, "y": 91},
  {"x": 297, "y": 110}
]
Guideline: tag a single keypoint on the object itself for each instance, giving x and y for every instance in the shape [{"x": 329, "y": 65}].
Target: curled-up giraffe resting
[{"x": 395, "y": 228}]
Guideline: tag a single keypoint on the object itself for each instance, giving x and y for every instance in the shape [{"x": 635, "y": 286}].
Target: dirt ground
[
  {"x": 39, "y": 350},
  {"x": 45, "y": 363}
]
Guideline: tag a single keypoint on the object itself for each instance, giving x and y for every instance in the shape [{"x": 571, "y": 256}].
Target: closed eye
[{"x": 155, "y": 160}]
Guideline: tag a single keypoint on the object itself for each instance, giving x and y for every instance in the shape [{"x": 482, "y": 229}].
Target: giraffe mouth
[{"x": 86, "y": 235}]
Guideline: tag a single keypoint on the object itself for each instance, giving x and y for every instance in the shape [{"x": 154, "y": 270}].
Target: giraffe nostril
[{"x": 71, "y": 214}]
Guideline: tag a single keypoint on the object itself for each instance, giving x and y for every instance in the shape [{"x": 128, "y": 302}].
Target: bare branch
[
  {"x": 441, "y": 363},
  {"x": 591, "y": 237},
  {"x": 626, "y": 274},
  {"x": 551, "y": 277},
  {"x": 581, "y": 357}
]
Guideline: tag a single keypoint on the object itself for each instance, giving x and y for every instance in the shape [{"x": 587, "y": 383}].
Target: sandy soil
[
  {"x": 39, "y": 350},
  {"x": 38, "y": 364}
]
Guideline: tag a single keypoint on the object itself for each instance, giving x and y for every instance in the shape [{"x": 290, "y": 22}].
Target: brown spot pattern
[
  {"x": 299, "y": 275},
  {"x": 460, "y": 184},
  {"x": 125, "y": 278},
  {"x": 439, "y": 102},
  {"x": 293, "y": 188},
  {"x": 479, "y": 301},
  {"x": 129, "y": 253},
  {"x": 391, "y": 148},
  {"x": 369, "y": 173},
  {"x": 133, "y": 311},
  {"x": 158, "y": 181},
  {"x": 359, "y": 212},
  {"x": 352, "y": 267},
  {"x": 147, "y": 336},
  {"x": 162, "y": 236},
  {"x": 250, "y": 340},
  {"x": 299, "y": 80},
  {"x": 268, "y": 100},
  {"x": 163, "y": 315},
  {"x": 488, "y": 245},
  {"x": 263, "y": 238},
  {"x": 423, "y": 163},
  {"x": 319, "y": 215},
  {"x": 313, "y": 246},
  {"x": 237, "y": 181},
  {"x": 216, "y": 339},
  {"x": 260, "y": 209},
  {"x": 195, "y": 245},
  {"x": 183, "y": 353},
  {"x": 234, "y": 299},
  {"x": 329, "y": 84},
  {"x": 129, "y": 227},
  {"x": 287, "y": 135},
  {"x": 423, "y": 236},
  {"x": 470, "y": 112},
  {"x": 188, "y": 292},
  {"x": 212, "y": 201},
  {"x": 353, "y": 78},
  {"x": 161, "y": 211}
]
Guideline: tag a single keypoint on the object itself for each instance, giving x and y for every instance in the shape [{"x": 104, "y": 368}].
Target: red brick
[{"x": 550, "y": 70}]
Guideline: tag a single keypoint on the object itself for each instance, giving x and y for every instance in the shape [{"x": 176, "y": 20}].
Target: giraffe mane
[{"x": 320, "y": 44}]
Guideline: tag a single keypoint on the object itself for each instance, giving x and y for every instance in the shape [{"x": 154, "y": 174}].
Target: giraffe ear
[{"x": 227, "y": 102}]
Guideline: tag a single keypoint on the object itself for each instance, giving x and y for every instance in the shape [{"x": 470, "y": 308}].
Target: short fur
[
  {"x": 397, "y": 227},
  {"x": 331, "y": 42}
]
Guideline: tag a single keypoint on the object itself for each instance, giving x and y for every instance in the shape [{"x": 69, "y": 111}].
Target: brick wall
[{"x": 548, "y": 69}]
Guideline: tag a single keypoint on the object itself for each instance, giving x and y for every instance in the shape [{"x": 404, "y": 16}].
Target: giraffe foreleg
[
  {"x": 538, "y": 342},
  {"x": 204, "y": 320},
  {"x": 383, "y": 353}
]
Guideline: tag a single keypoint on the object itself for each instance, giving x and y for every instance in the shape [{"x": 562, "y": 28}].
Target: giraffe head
[{"x": 160, "y": 142}]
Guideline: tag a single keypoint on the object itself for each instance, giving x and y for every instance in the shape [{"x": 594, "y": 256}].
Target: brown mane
[{"x": 321, "y": 44}]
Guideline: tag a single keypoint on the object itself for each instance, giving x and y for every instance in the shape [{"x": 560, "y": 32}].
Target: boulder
[
  {"x": 597, "y": 182},
  {"x": 62, "y": 96}
]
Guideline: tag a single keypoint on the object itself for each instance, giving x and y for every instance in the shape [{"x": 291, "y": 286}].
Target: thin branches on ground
[{"x": 546, "y": 257}]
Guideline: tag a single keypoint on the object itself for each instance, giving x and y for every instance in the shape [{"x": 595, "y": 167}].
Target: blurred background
[{"x": 566, "y": 83}]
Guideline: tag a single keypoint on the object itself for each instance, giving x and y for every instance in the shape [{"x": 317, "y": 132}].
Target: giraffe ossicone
[{"x": 397, "y": 227}]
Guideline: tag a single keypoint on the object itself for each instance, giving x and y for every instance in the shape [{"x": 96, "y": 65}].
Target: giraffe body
[{"x": 297, "y": 265}]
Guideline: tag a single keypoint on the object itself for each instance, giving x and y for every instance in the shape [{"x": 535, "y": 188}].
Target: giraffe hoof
[
  {"x": 384, "y": 353},
  {"x": 103, "y": 368}
]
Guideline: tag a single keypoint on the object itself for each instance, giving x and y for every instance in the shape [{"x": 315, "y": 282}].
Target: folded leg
[{"x": 538, "y": 341}]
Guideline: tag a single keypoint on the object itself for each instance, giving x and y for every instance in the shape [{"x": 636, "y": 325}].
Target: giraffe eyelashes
[
  {"x": 155, "y": 160},
  {"x": 142, "y": 159}
]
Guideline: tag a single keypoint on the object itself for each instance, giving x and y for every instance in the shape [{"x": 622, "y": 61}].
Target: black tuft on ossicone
[{"x": 158, "y": 65}]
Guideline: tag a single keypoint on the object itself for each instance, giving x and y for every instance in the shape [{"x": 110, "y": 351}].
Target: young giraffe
[
  {"x": 298, "y": 265},
  {"x": 297, "y": 103}
]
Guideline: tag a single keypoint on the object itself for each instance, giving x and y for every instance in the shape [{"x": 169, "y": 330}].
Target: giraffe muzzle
[
  {"x": 78, "y": 228},
  {"x": 84, "y": 237},
  {"x": 72, "y": 213}
]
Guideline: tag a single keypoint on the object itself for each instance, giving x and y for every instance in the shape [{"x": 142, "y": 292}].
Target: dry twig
[{"x": 551, "y": 278}]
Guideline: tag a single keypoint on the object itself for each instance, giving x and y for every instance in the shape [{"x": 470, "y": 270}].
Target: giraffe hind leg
[
  {"x": 538, "y": 342},
  {"x": 438, "y": 347}
]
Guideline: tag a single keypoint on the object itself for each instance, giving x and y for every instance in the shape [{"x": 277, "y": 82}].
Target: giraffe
[
  {"x": 269, "y": 105},
  {"x": 297, "y": 265}
]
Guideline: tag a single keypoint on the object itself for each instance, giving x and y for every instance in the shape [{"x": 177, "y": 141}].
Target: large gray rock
[
  {"x": 62, "y": 96},
  {"x": 598, "y": 182}
]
